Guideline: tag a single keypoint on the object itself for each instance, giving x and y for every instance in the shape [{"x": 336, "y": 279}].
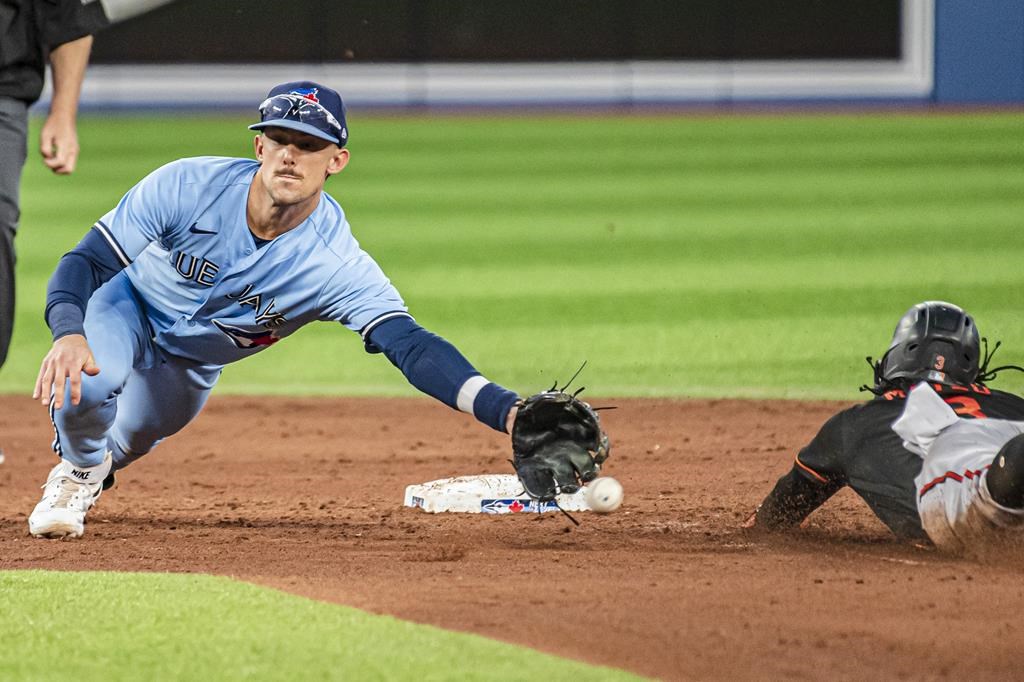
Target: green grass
[
  {"x": 734, "y": 256},
  {"x": 118, "y": 626}
]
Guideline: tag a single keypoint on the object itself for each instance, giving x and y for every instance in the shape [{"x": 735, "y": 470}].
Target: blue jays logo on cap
[
  {"x": 307, "y": 107},
  {"x": 307, "y": 93}
]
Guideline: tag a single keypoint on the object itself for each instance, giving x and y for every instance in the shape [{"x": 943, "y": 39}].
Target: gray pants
[{"x": 13, "y": 151}]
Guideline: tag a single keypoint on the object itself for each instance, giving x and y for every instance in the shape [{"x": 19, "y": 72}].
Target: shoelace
[{"x": 69, "y": 487}]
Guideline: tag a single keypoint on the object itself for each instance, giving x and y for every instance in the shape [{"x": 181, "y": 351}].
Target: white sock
[{"x": 91, "y": 476}]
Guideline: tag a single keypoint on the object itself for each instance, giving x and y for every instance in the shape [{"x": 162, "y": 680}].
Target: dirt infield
[{"x": 305, "y": 495}]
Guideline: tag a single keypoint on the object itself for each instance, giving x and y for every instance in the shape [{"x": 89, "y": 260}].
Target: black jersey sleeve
[
  {"x": 67, "y": 20},
  {"x": 794, "y": 497},
  {"x": 816, "y": 476},
  {"x": 822, "y": 459}
]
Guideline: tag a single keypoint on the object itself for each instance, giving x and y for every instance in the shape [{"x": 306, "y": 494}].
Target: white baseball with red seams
[{"x": 604, "y": 495}]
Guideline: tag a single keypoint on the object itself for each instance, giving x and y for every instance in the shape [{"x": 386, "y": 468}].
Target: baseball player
[
  {"x": 208, "y": 261},
  {"x": 945, "y": 463}
]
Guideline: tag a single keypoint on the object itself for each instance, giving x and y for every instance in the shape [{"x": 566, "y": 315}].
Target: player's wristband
[
  {"x": 487, "y": 401},
  {"x": 437, "y": 368}
]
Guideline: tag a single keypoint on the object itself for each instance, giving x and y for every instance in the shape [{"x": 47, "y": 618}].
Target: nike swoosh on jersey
[{"x": 195, "y": 229}]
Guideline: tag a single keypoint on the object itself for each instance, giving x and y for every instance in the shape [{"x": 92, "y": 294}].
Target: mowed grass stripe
[
  {"x": 782, "y": 248},
  {"x": 194, "y": 627}
]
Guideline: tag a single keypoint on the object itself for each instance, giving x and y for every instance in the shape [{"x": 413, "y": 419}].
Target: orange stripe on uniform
[
  {"x": 952, "y": 476},
  {"x": 811, "y": 471}
]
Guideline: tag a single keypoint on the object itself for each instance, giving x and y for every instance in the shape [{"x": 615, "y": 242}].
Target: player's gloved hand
[{"x": 557, "y": 444}]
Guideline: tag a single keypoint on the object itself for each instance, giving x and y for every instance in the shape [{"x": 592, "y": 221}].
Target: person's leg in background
[{"x": 13, "y": 152}]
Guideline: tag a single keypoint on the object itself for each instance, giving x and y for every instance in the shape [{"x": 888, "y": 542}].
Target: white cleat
[{"x": 68, "y": 494}]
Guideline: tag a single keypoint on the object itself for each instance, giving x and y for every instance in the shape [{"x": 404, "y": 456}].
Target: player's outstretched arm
[
  {"x": 817, "y": 475},
  {"x": 67, "y": 359},
  {"x": 792, "y": 500},
  {"x": 557, "y": 440},
  {"x": 437, "y": 368}
]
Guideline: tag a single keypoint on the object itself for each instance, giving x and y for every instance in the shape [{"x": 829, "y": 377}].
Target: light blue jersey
[
  {"x": 177, "y": 286},
  {"x": 210, "y": 294}
]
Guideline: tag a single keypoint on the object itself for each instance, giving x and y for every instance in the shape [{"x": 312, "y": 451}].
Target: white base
[{"x": 485, "y": 494}]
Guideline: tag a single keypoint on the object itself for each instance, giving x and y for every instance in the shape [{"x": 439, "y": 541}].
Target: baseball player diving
[
  {"x": 937, "y": 454},
  {"x": 210, "y": 260}
]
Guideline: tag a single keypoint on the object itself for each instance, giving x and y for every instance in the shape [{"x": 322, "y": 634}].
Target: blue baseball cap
[{"x": 305, "y": 106}]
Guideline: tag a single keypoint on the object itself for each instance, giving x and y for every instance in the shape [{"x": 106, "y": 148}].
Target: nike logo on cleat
[
  {"x": 195, "y": 229},
  {"x": 80, "y": 474}
]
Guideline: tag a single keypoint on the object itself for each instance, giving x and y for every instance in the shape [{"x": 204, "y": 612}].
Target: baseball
[{"x": 604, "y": 495}]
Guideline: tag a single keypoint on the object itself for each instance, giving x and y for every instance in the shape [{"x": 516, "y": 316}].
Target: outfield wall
[
  {"x": 979, "y": 54},
  {"x": 929, "y": 51}
]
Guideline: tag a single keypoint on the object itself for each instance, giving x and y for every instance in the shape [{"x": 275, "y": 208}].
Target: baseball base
[{"x": 485, "y": 494}]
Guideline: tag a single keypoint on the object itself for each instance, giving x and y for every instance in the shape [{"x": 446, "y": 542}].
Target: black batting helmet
[{"x": 934, "y": 341}]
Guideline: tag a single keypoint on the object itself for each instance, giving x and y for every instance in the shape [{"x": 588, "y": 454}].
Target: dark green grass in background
[{"x": 733, "y": 256}]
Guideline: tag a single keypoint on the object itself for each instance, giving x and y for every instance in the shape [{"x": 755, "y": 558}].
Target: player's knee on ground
[{"x": 1006, "y": 475}]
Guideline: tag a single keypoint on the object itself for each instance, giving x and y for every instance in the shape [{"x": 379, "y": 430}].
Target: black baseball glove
[{"x": 557, "y": 444}]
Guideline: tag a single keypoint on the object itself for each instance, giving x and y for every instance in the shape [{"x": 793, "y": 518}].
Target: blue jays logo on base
[
  {"x": 514, "y": 506},
  {"x": 247, "y": 339}
]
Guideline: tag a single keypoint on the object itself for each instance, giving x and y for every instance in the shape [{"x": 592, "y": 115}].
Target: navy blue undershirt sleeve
[
  {"x": 78, "y": 274},
  {"x": 436, "y": 367}
]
